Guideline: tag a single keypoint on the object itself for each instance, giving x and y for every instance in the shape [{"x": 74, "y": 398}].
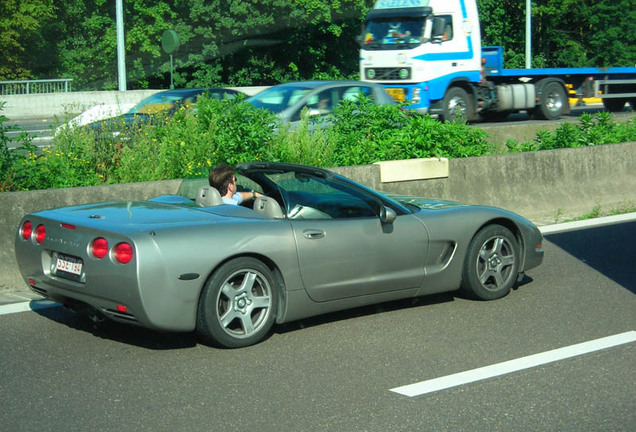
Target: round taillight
[
  {"x": 99, "y": 247},
  {"x": 40, "y": 234},
  {"x": 25, "y": 230},
  {"x": 123, "y": 253}
]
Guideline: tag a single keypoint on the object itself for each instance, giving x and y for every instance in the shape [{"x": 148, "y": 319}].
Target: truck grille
[{"x": 383, "y": 74}]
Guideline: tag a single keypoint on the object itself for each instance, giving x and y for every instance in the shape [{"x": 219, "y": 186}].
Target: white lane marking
[
  {"x": 589, "y": 223},
  {"x": 27, "y": 306},
  {"x": 515, "y": 365}
]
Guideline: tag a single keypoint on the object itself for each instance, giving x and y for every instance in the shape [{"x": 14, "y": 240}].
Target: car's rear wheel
[
  {"x": 238, "y": 305},
  {"x": 492, "y": 263}
]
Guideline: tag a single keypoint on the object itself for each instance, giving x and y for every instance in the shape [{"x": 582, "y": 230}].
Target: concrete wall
[
  {"x": 48, "y": 105},
  {"x": 542, "y": 186},
  {"x": 538, "y": 185}
]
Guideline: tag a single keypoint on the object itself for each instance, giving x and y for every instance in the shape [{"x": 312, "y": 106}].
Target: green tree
[
  {"x": 611, "y": 34},
  {"x": 22, "y": 43},
  {"x": 240, "y": 42},
  {"x": 565, "y": 33},
  {"x": 88, "y": 42}
]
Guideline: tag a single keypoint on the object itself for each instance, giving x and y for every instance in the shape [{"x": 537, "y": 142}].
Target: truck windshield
[{"x": 394, "y": 33}]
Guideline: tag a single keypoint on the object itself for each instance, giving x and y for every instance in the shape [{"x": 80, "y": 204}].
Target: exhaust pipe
[
  {"x": 95, "y": 316},
  {"x": 83, "y": 309}
]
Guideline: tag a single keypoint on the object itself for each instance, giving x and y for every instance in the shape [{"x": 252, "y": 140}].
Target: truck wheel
[
  {"x": 238, "y": 304},
  {"x": 552, "y": 103},
  {"x": 457, "y": 105},
  {"x": 614, "y": 105}
]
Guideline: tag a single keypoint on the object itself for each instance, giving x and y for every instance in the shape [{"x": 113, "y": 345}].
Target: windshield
[
  {"x": 394, "y": 33},
  {"x": 159, "y": 102},
  {"x": 277, "y": 99}
]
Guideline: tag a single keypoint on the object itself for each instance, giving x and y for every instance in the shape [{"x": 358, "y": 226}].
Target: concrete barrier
[
  {"x": 48, "y": 105},
  {"x": 543, "y": 186}
]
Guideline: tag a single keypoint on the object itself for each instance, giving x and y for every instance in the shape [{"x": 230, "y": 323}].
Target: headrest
[{"x": 207, "y": 196}]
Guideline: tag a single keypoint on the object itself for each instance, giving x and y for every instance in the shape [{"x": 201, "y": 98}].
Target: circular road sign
[{"x": 170, "y": 41}]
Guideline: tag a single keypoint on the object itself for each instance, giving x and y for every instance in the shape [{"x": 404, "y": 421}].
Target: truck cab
[{"x": 419, "y": 48}]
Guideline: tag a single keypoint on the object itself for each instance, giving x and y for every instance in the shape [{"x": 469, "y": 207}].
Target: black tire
[
  {"x": 553, "y": 102},
  {"x": 457, "y": 106},
  {"x": 238, "y": 305},
  {"x": 492, "y": 263},
  {"x": 614, "y": 105}
]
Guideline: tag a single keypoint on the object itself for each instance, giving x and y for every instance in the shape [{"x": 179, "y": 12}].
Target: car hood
[{"x": 425, "y": 203}]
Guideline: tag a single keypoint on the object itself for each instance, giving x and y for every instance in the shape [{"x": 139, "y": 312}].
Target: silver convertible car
[{"x": 315, "y": 242}]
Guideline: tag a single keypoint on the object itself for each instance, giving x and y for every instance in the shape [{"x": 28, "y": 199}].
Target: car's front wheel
[
  {"x": 238, "y": 305},
  {"x": 492, "y": 263}
]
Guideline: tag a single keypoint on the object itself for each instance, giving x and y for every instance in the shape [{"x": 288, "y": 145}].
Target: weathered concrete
[
  {"x": 540, "y": 185},
  {"x": 66, "y": 104},
  {"x": 72, "y": 103}
]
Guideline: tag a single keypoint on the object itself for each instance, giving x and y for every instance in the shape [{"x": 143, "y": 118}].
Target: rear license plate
[
  {"x": 68, "y": 264},
  {"x": 396, "y": 93}
]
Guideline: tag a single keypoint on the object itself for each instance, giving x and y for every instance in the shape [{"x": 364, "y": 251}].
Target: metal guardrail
[{"x": 61, "y": 85}]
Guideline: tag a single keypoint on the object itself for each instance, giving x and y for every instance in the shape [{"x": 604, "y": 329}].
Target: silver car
[
  {"x": 315, "y": 242},
  {"x": 319, "y": 97}
]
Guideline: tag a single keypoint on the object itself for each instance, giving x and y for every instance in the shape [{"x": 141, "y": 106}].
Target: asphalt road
[
  {"x": 336, "y": 372},
  {"x": 39, "y": 129}
]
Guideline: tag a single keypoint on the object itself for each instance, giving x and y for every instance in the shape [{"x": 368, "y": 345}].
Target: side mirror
[{"x": 387, "y": 215}]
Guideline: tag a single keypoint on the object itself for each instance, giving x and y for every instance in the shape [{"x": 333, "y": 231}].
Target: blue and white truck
[{"x": 429, "y": 53}]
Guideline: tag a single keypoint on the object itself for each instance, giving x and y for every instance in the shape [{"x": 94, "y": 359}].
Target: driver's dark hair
[{"x": 221, "y": 177}]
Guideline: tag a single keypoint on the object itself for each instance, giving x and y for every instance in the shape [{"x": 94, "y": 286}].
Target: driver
[{"x": 223, "y": 179}]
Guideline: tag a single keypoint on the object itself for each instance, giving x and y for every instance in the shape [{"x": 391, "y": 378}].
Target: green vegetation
[
  {"x": 597, "y": 211},
  {"x": 593, "y": 129},
  {"x": 191, "y": 141}
]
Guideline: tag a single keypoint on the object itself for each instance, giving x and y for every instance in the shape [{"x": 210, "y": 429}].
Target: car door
[{"x": 344, "y": 250}]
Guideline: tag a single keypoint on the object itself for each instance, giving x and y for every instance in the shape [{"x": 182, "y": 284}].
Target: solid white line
[
  {"x": 26, "y": 306},
  {"x": 515, "y": 365},
  {"x": 588, "y": 223}
]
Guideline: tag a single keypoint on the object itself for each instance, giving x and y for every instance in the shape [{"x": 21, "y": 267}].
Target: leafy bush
[
  {"x": 594, "y": 129},
  {"x": 190, "y": 142},
  {"x": 12, "y": 172}
]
